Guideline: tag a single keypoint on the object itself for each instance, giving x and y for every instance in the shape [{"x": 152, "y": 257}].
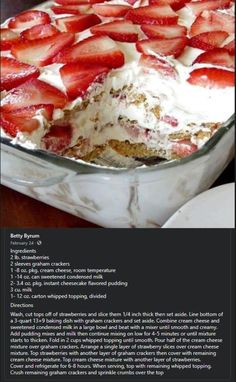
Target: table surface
[{"x": 18, "y": 210}]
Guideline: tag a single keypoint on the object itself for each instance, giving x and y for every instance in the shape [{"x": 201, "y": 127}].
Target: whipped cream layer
[{"x": 188, "y": 104}]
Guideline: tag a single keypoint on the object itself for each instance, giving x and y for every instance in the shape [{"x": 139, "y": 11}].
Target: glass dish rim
[{"x": 81, "y": 167}]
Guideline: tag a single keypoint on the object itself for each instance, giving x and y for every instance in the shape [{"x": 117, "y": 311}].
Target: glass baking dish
[{"x": 116, "y": 197}]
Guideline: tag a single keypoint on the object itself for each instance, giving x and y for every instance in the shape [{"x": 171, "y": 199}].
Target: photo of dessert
[{"x": 138, "y": 94}]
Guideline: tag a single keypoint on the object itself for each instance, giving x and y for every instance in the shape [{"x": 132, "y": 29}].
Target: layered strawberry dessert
[{"x": 151, "y": 78}]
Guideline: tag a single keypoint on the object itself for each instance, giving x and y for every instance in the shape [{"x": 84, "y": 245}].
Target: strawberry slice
[
  {"x": 40, "y": 52},
  {"x": 58, "y": 138},
  {"x": 28, "y": 19},
  {"x": 210, "y": 21},
  {"x": 39, "y": 31},
  {"x": 170, "y": 47},
  {"x": 160, "y": 65},
  {"x": 170, "y": 120},
  {"x": 119, "y": 30},
  {"x": 161, "y": 15},
  {"x": 164, "y": 31},
  {"x": 95, "y": 50},
  {"x": 175, "y": 4},
  {"x": 230, "y": 47},
  {"x": 22, "y": 120},
  {"x": 77, "y": 2},
  {"x": 14, "y": 73},
  {"x": 197, "y": 7},
  {"x": 208, "y": 40},
  {"x": 33, "y": 92},
  {"x": 183, "y": 148},
  {"x": 8, "y": 38},
  {"x": 77, "y": 78},
  {"x": 71, "y": 9},
  {"x": 78, "y": 23},
  {"x": 211, "y": 78},
  {"x": 217, "y": 56},
  {"x": 111, "y": 10}
]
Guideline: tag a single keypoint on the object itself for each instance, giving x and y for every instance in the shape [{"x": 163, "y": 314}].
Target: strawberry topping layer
[{"x": 87, "y": 42}]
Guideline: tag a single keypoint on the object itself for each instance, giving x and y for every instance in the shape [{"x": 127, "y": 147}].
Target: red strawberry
[
  {"x": 211, "y": 77},
  {"x": 95, "y": 50},
  {"x": 217, "y": 56},
  {"x": 77, "y": 78},
  {"x": 119, "y": 30},
  {"x": 22, "y": 120},
  {"x": 58, "y": 138},
  {"x": 175, "y": 4},
  {"x": 28, "y": 19},
  {"x": 39, "y": 31},
  {"x": 170, "y": 120},
  {"x": 230, "y": 47},
  {"x": 170, "y": 47},
  {"x": 163, "y": 15},
  {"x": 76, "y": 2},
  {"x": 131, "y": 2},
  {"x": 71, "y": 9},
  {"x": 208, "y": 40},
  {"x": 210, "y": 21},
  {"x": 40, "y": 52},
  {"x": 162, "y": 66},
  {"x": 197, "y": 7},
  {"x": 78, "y": 23},
  {"x": 33, "y": 92},
  {"x": 14, "y": 73},
  {"x": 72, "y": 2},
  {"x": 8, "y": 38},
  {"x": 164, "y": 31},
  {"x": 111, "y": 10},
  {"x": 183, "y": 148}
]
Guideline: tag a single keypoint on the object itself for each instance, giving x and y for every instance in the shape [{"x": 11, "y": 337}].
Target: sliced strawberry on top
[
  {"x": 39, "y": 31},
  {"x": 160, "y": 65},
  {"x": 230, "y": 47},
  {"x": 183, "y": 148},
  {"x": 40, "y": 52},
  {"x": 111, "y": 10},
  {"x": 77, "y": 23},
  {"x": 58, "y": 138},
  {"x": 208, "y": 40},
  {"x": 33, "y": 92},
  {"x": 8, "y": 38},
  {"x": 95, "y": 50},
  {"x": 71, "y": 9},
  {"x": 175, "y": 4},
  {"x": 170, "y": 47},
  {"x": 28, "y": 19},
  {"x": 14, "y": 73},
  {"x": 197, "y": 7},
  {"x": 152, "y": 14},
  {"x": 119, "y": 30},
  {"x": 217, "y": 56},
  {"x": 211, "y": 78},
  {"x": 210, "y": 21},
  {"x": 164, "y": 31},
  {"x": 77, "y": 78},
  {"x": 23, "y": 120},
  {"x": 75, "y": 2}
]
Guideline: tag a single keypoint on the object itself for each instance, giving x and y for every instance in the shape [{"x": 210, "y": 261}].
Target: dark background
[
  {"x": 21, "y": 211},
  {"x": 182, "y": 274}
]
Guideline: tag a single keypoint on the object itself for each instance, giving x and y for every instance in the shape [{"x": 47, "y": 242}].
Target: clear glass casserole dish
[{"x": 116, "y": 197}]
